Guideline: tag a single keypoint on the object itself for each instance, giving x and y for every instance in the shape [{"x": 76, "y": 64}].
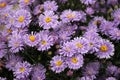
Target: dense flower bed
[{"x": 59, "y": 40}]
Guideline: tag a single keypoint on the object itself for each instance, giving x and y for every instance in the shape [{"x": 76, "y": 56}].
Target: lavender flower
[
  {"x": 114, "y": 34},
  {"x": 31, "y": 39},
  {"x": 81, "y": 45},
  {"x": 24, "y": 3},
  {"x": 50, "y": 5},
  {"x": 67, "y": 49},
  {"x": 12, "y": 61},
  {"x": 75, "y": 62},
  {"x": 46, "y": 41},
  {"x": 92, "y": 69},
  {"x": 105, "y": 27},
  {"x": 69, "y": 15},
  {"x": 38, "y": 72},
  {"x": 22, "y": 70},
  {"x": 22, "y": 18},
  {"x": 15, "y": 42},
  {"x": 105, "y": 49},
  {"x": 116, "y": 14},
  {"x": 58, "y": 64},
  {"x": 48, "y": 20}
]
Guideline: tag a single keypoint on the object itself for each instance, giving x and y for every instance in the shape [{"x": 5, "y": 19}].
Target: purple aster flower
[
  {"x": 23, "y": 3},
  {"x": 12, "y": 61},
  {"x": 67, "y": 49},
  {"x": 31, "y": 39},
  {"x": 22, "y": 70},
  {"x": 46, "y": 41},
  {"x": 92, "y": 69},
  {"x": 105, "y": 49},
  {"x": 87, "y": 2},
  {"x": 97, "y": 21},
  {"x": 111, "y": 78},
  {"x": 3, "y": 49},
  {"x": 58, "y": 64},
  {"x": 50, "y": 5},
  {"x": 75, "y": 62},
  {"x": 116, "y": 14},
  {"x": 90, "y": 10},
  {"x": 81, "y": 45},
  {"x": 93, "y": 40},
  {"x": 38, "y": 72},
  {"x": 105, "y": 27},
  {"x": 69, "y": 15},
  {"x": 114, "y": 34},
  {"x": 112, "y": 70},
  {"x": 15, "y": 42},
  {"x": 1, "y": 78},
  {"x": 48, "y": 20},
  {"x": 81, "y": 16},
  {"x": 22, "y": 18}
]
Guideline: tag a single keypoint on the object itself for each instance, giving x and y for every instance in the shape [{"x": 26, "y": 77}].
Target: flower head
[
  {"x": 81, "y": 45},
  {"x": 22, "y": 70},
  {"x": 105, "y": 49},
  {"x": 58, "y": 64},
  {"x": 22, "y": 18},
  {"x": 50, "y": 5},
  {"x": 31, "y": 39},
  {"x": 75, "y": 62},
  {"x": 46, "y": 41},
  {"x": 48, "y": 20}
]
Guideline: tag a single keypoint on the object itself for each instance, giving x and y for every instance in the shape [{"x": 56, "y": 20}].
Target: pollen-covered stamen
[
  {"x": 3, "y": 4},
  {"x": 48, "y": 19},
  {"x": 22, "y": 69},
  {"x": 74, "y": 60},
  {"x": 32, "y": 38},
  {"x": 58, "y": 63},
  {"x": 69, "y": 16},
  {"x": 26, "y": 1},
  {"x": 21, "y": 18},
  {"x": 9, "y": 31},
  {"x": 79, "y": 45},
  {"x": 43, "y": 42},
  {"x": 104, "y": 48}
]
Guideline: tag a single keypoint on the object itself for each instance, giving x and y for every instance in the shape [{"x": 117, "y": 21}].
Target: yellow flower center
[
  {"x": 48, "y": 19},
  {"x": 79, "y": 45},
  {"x": 26, "y": 1},
  {"x": 2, "y": 5},
  {"x": 58, "y": 63},
  {"x": 22, "y": 69},
  {"x": 103, "y": 48},
  {"x": 70, "y": 16},
  {"x": 21, "y": 18},
  {"x": 9, "y": 30},
  {"x": 44, "y": 42},
  {"x": 74, "y": 60},
  {"x": 32, "y": 38}
]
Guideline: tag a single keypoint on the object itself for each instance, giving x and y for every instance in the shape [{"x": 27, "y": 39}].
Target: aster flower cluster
[{"x": 59, "y": 40}]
